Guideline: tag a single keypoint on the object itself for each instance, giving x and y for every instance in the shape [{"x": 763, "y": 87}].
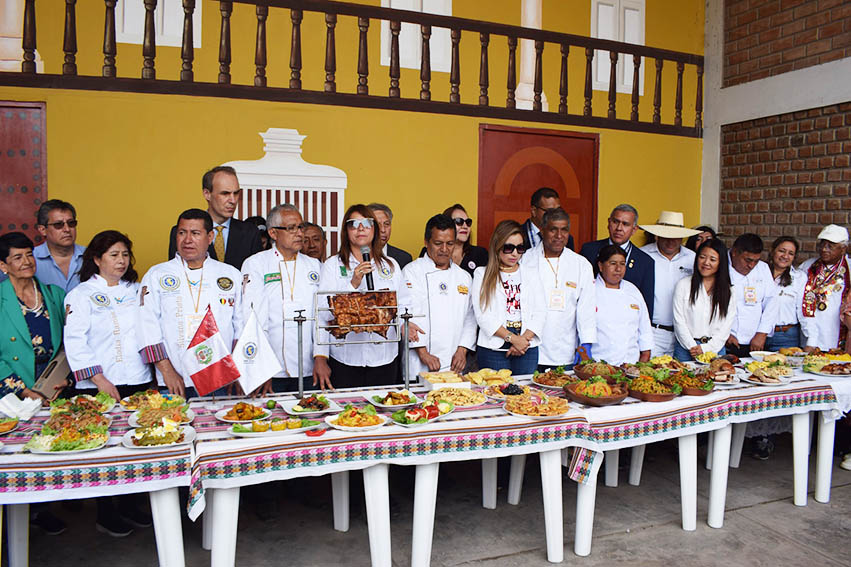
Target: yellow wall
[{"x": 133, "y": 161}]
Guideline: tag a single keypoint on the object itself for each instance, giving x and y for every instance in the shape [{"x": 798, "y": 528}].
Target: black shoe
[
  {"x": 49, "y": 524},
  {"x": 137, "y": 517},
  {"x": 762, "y": 448},
  {"x": 114, "y": 526}
]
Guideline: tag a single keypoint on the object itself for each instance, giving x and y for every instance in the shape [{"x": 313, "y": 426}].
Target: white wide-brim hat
[{"x": 670, "y": 225}]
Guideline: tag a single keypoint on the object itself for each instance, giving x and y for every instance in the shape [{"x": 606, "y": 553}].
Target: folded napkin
[{"x": 13, "y": 406}]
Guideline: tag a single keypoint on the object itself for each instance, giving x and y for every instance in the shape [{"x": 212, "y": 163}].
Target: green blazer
[{"x": 16, "y": 351}]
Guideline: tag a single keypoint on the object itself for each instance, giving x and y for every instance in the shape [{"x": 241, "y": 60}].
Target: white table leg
[
  {"x": 19, "y": 534},
  {"x": 226, "y": 514},
  {"x": 168, "y": 530},
  {"x": 489, "y": 484},
  {"x": 377, "y": 496},
  {"x": 800, "y": 426},
  {"x": 718, "y": 478},
  {"x": 340, "y": 497},
  {"x": 565, "y": 457},
  {"x": 739, "y": 430},
  {"x": 810, "y": 417},
  {"x": 515, "y": 478},
  {"x": 611, "y": 461},
  {"x": 709, "y": 444},
  {"x": 586, "y": 495},
  {"x": 207, "y": 525},
  {"x": 636, "y": 462},
  {"x": 824, "y": 456},
  {"x": 688, "y": 480},
  {"x": 553, "y": 512},
  {"x": 425, "y": 495}
]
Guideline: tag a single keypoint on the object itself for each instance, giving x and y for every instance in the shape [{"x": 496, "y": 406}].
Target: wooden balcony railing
[{"x": 487, "y": 34}]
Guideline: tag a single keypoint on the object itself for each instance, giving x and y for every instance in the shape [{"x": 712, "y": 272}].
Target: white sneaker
[{"x": 846, "y": 462}]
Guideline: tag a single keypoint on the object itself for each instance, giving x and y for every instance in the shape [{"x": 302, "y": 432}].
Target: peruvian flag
[{"x": 208, "y": 360}]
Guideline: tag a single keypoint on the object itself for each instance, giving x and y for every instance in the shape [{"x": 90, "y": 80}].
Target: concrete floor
[{"x": 635, "y": 525}]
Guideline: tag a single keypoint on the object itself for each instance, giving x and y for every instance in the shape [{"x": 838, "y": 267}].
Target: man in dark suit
[
  {"x": 640, "y": 269},
  {"x": 543, "y": 200},
  {"x": 384, "y": 220},
  {"x": 235, "y": 240}
]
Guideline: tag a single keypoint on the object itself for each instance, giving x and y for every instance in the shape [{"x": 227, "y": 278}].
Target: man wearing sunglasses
[
  {"x": 59, "y": 258},
  {"x": 384, "y": 223},
  {"x": 543, "y": 200}
]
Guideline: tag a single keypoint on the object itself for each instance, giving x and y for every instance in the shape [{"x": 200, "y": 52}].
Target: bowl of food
[
  {"x": 649, "y": 389},
  {"x": 587, "y": 369},
  {"x": 691, "y": 384}
]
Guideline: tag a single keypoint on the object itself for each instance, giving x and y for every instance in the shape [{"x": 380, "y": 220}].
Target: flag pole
[
  {"x": 406, "y": 317},
  {"x": 300, "y": 319}
]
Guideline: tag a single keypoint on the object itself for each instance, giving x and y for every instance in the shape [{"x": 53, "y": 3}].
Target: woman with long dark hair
[
  {"x": 706, "y": 233},
  {"x": 704, "y": 308},
  {"x": 468, "y": 256}
]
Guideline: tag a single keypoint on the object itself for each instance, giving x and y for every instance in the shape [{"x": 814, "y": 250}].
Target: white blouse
[
  {"x": 692, "y": 321},
  {"x": 790, "y": 298},
  {"x": 623, "y": 324}
]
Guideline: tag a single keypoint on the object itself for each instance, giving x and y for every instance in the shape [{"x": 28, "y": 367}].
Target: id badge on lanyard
[
  {"x": 556, "y": 300},
  {"x": 193, "y": 321},
  {"x": 750, "y": 295}
]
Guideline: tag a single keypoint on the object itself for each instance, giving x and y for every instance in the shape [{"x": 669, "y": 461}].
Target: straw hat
[{"x": 670, "y": 225}]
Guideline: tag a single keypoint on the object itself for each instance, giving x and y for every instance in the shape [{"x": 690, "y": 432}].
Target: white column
[
  {"x": 531, "y": 14},
  {"x": 11, "y": 36}
]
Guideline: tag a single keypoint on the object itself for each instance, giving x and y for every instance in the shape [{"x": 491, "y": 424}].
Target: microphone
[{"x": 364, "y": 250}]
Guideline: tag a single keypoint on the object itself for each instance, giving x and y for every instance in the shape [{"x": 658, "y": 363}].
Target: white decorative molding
[
  {"x": 11, "y": 37},
  {"x": 282, "y": 176},
  {"x": 531, "y": 14}
]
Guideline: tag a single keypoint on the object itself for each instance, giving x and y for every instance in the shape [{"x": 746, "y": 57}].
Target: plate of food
[
  {"x": 149, "y": 416},
  {"x": 392, "y": 398},
  {"x": 765, "y": 377},
  {"x": 273, "y": 427},
  {"x": 151, "y": 398},
  {"x": 596, "y": 392},
  {"x": 649, "y": 389},
  {"x": 759, "y": 355},
  {"x": 426, "y": 413},
  {"x": 499, "y": 393},
  {"x": 832, "y": 369},
  {"x": 666, "y": 361},
  {"x": 490, "y": 377},
  {"x": 356, "y": 419},
  {"x": 691, "y": 384},
  {"x": 554, "y": 378},
  {"x": 794, "y": 355},
  {"x": 587, "y": 369},
  {"x": 537, "y": 405},
  {"x": 310, "y": 405},
  {"x": 242, "y": 412},
  {"x": 8, "y": 424},
  {"x": 706, "y": 357},
  {"x": 460, "y": 397},
  {"x": 101, "y": 403},
  {"x": 166, "y": 434},
  {"x": 776, "y": 367},
  {"x": 66, "y": 441},
  {"x": 445, "y": 379}
]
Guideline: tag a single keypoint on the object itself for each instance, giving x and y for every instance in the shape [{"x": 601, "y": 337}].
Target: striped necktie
[{"x": 219, "y": 244}]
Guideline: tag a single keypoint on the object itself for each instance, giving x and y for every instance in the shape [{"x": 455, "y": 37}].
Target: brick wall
[
  {"x": 787, "y": 174},
  {"x": 770, "y": 37}
]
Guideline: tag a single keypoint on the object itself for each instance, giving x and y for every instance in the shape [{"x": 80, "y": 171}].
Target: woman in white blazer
[{"x": 508, "y": 301}]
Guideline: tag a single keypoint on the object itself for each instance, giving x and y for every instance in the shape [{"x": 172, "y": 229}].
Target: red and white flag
[{"x": 208, "y": 360}]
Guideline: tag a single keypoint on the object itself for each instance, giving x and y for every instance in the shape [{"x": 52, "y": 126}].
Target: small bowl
[{"x": 758, "y": 355}]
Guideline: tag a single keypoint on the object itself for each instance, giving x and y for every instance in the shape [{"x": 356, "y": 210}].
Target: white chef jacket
[
  {"x": 336, "y": 277},
  {"x": 756, "y": 302},
  {"x": 533, "y": 308},
  {"x": 575, "y": 316},
  {"x": 100, "y": 333},
  {"x": 822, "y": 329},
  {"x": 168, "y": 318},
  {"x": 691, "y": 321},
  {"x": 276, "y": 291},
  {"x": 623, "y": 324},
  {"x": 443, "y": 296}
]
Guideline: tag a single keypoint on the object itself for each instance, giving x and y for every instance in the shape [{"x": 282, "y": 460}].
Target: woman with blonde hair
[{"x": 509, "y": 305}]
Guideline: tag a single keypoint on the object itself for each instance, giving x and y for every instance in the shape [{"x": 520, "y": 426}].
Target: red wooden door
[{"x": 515, "y": 162}]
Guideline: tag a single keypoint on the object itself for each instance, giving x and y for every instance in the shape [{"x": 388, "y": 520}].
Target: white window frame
[
  {"x": 410, "y": 38},
  {"x": 601, "y": 65},
  {"x": 174, "y": 39}
]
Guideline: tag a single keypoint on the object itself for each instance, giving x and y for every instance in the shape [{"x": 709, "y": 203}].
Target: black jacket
[
  {"x": 640, "y": 269},
  {"x": 402, "y": 258},
  {"x": 243, "y": 241}
]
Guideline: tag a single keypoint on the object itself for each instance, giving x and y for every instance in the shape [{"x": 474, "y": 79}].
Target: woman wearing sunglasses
[
  {"x": 354, "y": 362},
  {"x": 508, "y": 301},
  {"x": 467, "y": 256},
  {"x": 624, "y": 333}
]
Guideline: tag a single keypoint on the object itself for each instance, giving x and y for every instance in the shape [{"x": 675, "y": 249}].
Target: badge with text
[
  {"x": 100, "y": 299},
  {"x": 271, "y": 278},
  {"x": 313, "y": 276},
  {"x": 225, "y": 284},
  {"x": 442, "y": 287},
  {"x": 750, "y": 295},
  {"x": 556, "y": 301},
  {"x": 463, "y": 290},
  {"x": 169, "y": 283},
  {"x": 385, "y": 273}
]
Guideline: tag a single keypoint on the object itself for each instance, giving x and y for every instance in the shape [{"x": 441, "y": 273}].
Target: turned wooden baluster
[
  {"x": 224, "y": 42},
  {"x": 589, "y": 56},
  {"x": 395, "y": 28},
  {"x": 455, "y": 72},
  {"x": 28, "y": 43},
  {"x": 484, "y": 38},
  {"x": 539, "y": 79},
  {"x": 187, "y": 51},
  {"x": 295, "y": 50},
  {"x": 562, "y": 82},
  {"x": 657, "y": 96},
  {"x": 260, "y": 47},
  {"x": 511, "y": 101},
  {"x": 636, "y": 67},
  {"x": 330, "y": 54},
  {"x": 425, "y": 64},
  {"x": 363, "y": 57},
  {"x": 698, "y": 104},
  {"x": 69, "y": 45},
  {"x": 613, "y": 88},
  {"x": 678, "y": 103},
  {"x": 109, "y": 51},
  {"x": 149, "y": 42}
]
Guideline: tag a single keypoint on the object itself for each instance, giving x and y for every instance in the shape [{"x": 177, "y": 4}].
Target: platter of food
[
  {"x": 356, "y": 419},
  {"x": 66, "y": 442},
  {"x": 8, "y": 424},
  {"x": 762, "y": 378},
  {"x": 666, "y": 361},
  {"x": 446, "y": 379},
  {"x": 102, "y": 403},
  {"x": 273, "y": 427},
  {"x": 149, "y": 416},
  {"x": 426, "y": 413},
  {"x": 151, "y": 398},
  {"x": 392, "y": 398},
  {"x": 774, "y": 368},
  {"x": 596, "y": 392},
  {"x": 242, "y": 412},
  {"x": 537, "y": 405},
  {"x": 587, "y": 369},
  {"x": 554, "y": 378},
  {"x": 499, "y": 393},
  {"x": 73, "y": 430},
  {"x": 362, "y": 312},
  {"x": 831, "y": 370},
  {"x": 490, "y": 377},
  {"x": 311, "y": 405},
  {"x": 649, "y": 389},
  {"x": 691, "y": 384},
  {"x": 167, "y": 434},
  {"x": 459, "y": 397}
]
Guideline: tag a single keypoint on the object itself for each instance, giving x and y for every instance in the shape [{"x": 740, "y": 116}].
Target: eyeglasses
[
  {"x": 510, "y": 248},
  {"x": 359, "y": 223},
  {"x": 60, "y": 224},
  {"x": 293, "y": 228},
  {"x": 461, "y": 222}
]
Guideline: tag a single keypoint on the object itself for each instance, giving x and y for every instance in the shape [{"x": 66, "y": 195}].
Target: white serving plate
[
  {"x": 383, "y": 394},
  {"x": 330, "y": 418},
  {"x": 287, "y": 406},
  {"x": 133, "y": 420},
  {"x": 270, "y": 433},
  {"x": 220, "y": 415}
]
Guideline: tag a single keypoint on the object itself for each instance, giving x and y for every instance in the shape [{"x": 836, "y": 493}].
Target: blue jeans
[
  {"x": 496, "y": 359},
  {"x": 682, "y": 354},
  {"x": 790, "y": 338}
]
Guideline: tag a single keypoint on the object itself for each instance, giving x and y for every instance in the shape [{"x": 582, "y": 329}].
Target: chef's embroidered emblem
[
  {"x": 225, "y": 284},
  {"x": 270, "y": 278},
  {"x": 249, "y": 351},
  {"x": 462, "y": 289},
  {"x": 100, "y": 299},
  {"x": 385, "y": 272},
  {"x": 442, "y": 287},
  {"x": 313, "y": 276},
  {"x": 169, "y": 282}
]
